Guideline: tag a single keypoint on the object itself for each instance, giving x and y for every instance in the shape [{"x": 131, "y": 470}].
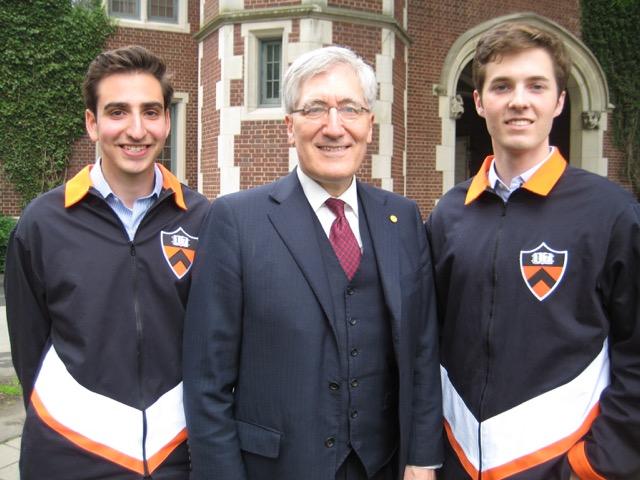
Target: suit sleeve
[
  {"x": 27, "y": 317},
  {"x": 212, "y": 338},
  {"x": 425, "y": 446},
  {"x": 612, "y": 447}
]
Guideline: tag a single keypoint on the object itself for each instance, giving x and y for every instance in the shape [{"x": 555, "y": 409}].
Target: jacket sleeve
[
  {"x": 425, "y": 446},
  {"x": 27, "y": 316},
  {"x": 212, "y": 337},
  {"x": 612, "y": 447}
]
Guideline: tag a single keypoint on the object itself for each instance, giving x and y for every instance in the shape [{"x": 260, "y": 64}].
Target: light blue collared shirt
[
  {"x": 503, "y": 190},
  {"x": 130, "y": 218}
]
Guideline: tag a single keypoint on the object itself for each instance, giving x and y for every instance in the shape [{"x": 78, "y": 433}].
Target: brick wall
[
  {"x": 262, "y": 152},
  {"x": 374, "y": 6},
  {"x": 398, "y": 113},
  {"x": 616, "y": 161},
  {"x": 210, "y": 74},
  {"x": 11, "y": 201}
]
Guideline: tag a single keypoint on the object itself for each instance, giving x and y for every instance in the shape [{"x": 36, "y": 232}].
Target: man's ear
[
  {"x": 91, "y": 124},
  {"x": 477, "y": 100},
  {"x": 560, "y": 104},
  {"x": 288, "y": 120}
]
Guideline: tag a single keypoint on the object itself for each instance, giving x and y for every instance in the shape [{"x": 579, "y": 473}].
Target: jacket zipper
[
  {"x": 494, "y": 289},
  {"x": 140, "y": 334},
  {"x": 139, "y": 326},
  {"x": 139, "y": 338}
]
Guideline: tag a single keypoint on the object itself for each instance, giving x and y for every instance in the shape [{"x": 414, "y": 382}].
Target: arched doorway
[{"x": 578, "y": 132}]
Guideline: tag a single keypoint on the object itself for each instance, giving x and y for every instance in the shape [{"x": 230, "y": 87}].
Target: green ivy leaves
[
  {"x": 46, "y": 48},
  {"x": 610, "y": 29}
]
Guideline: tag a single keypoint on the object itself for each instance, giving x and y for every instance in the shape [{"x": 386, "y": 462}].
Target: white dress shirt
[
  {"x": 503, "y": 190},
  {"x": 316, "y": 195}
]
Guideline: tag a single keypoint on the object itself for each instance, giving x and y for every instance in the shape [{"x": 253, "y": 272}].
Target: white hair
[{"x": 321, "y": 60}]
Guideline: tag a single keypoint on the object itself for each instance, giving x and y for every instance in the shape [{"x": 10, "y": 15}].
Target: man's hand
[{"x": 413, "y": 473}]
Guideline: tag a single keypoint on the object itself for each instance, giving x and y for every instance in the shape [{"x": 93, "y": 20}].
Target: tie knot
[{"x": 336, "y": 206}]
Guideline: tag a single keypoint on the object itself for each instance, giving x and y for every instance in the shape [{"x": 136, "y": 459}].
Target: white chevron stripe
[
  {"x": 104, "y": 420},
  {"x": 530, "y": 426}
]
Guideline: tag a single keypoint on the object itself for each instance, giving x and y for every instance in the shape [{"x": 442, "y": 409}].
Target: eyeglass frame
[{"x": 359, "y": 110}]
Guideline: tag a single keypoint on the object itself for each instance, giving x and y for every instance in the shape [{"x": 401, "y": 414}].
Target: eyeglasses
[{"x": 348, "y": 113}]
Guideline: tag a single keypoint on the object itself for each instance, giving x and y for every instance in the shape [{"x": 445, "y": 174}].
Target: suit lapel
[
  {"x": 384, "y": 236},
  {"x": 293, "y": 219}
]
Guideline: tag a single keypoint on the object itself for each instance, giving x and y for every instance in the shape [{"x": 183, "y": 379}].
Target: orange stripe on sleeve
[{"x": 580, "y": 463}]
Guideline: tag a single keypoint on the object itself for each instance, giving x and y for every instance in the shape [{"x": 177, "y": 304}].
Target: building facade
[{"x": 228, "y": 58}]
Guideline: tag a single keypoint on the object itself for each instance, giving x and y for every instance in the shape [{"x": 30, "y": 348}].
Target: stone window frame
[
  {"x": 181, "y": 25},
  {"x": 254, "y": 34},
  {"x": 265, "y": 100}
]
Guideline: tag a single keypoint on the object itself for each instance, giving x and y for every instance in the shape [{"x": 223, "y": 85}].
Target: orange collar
[
  {"x": 76, "y": 188},
  {"x": 541, "y": 182}
]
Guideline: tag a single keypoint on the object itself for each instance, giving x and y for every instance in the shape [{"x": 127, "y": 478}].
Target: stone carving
[
  {"x": 456, "y": 107},
  {"x": 590, "y": 120}
]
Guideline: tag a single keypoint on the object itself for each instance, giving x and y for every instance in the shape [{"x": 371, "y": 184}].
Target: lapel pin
[{"x": 393, "y": 219}]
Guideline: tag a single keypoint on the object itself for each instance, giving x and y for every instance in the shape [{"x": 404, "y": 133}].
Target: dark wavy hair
[{"x": 131, "y": 59}]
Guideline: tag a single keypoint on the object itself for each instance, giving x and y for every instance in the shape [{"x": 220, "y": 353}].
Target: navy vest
[{"x": 368, "y": 402}]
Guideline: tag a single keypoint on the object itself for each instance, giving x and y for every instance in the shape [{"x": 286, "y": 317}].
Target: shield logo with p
[
  {"x": 542, "y": 269},
  {"x": 179, "y": 249}
]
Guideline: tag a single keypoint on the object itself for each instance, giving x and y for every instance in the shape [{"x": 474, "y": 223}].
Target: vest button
[
  {"x": 352, "y": 321},
  {"x": 354, "y": 414},
  {"x": 351, "y": 290},
  {"x": 354, "y": 352},
  {"x": 334, "y": 386},
  {"x": 330, "y": 442},
  {"x": 354, "y": 383}
]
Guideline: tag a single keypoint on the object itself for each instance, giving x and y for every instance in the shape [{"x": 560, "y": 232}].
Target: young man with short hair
[
  {"x": 97, "y": 278},
  {"x": 537, "y": 276}
]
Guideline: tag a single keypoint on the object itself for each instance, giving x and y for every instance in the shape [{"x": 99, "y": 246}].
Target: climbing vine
[
  {"x": 46, "y": 48},
  {"x": 610, "y": 29}
]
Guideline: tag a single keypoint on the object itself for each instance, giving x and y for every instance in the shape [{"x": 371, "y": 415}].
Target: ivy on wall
[
  {"x": 46, "y": 48},
  {"x": 610, "y": 29}
]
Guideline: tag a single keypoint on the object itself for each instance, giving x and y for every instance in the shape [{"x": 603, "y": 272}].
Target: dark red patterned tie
[{"x": 343, "y": 240}]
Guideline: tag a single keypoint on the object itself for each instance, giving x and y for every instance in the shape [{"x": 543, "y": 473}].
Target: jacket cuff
[{"x": 580, "y": 463}]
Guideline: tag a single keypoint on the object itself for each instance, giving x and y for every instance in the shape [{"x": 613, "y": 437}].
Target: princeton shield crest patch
[
  {"x": 179, "y": 249},
  {"x": 542, "y": 269}
]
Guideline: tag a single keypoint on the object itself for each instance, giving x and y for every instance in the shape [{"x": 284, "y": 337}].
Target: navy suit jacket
[{"x": 260, "y": 349}]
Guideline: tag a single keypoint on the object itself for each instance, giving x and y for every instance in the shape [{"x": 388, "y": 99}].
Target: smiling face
[
  {"x": 519, "y": 101},
  {"x": 131, "y": 125},
  {"x": 330, "y": 150}
]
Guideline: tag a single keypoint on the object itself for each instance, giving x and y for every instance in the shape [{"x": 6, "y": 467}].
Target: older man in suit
[{"x": 310, "y": 347}]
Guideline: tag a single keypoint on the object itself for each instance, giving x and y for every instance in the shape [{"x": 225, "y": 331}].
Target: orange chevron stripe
[
  {"x": 535, "y": 458},
  {"x": 104, "y": 451}
]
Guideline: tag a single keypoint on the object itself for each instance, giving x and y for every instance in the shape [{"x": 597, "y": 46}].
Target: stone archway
[{"x": 587, "y": 90}]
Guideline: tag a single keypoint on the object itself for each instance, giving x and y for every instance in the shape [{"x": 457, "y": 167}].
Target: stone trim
[{"x": 319, "y": 12}]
